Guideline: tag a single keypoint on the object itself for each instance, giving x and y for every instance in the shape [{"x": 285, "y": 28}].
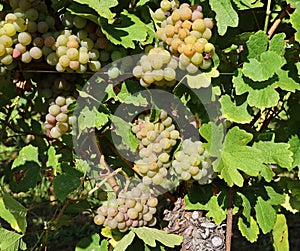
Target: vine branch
[{"x": 229, "y": 219}]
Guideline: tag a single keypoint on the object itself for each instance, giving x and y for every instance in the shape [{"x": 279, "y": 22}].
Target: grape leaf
[
  {"x": 295, "y": 18},
  {"x": 281, "y": 234},
  {"x": 215, "y": 211},
  {"x": 53, "y": 160},
  {"x": 246, "y": 206},
  {"x": 123, "y": 129},
  {"x": 102, "y": 7},
  {"x": 200, "y": 80},
  {"x": 257, "y": 44},
  {"x": 90, "y": 243},
  {"x": 27, "y": 154},
  {"x": 287, "y": 83},
  {"x": 130, "y": 29},
  {"x": 91, "y": 118},
  {"x": 277, "y": 44},
  {"x": 234, "y": 113},
  {"x": 295, "y": 148},
  {"x": 261, "y": 95},
  {"x": 247, "y": 4},
  {"x": 10, "y": 241},
  {"x": 274, "y": 197},
  {"x": 82, "y": 11},
  {"x": 226, "y": 16},
  {"x": 248, "y": 229},
  {"x": 263, "y": 68},
  {"x": 267, "y": 173},
  {"x": 125, "y": 242},
  {"x": 150, "y": 235},
  {"x": 13, "y": 212},
  {"x": 275, "y": 153},
  {"x": 64, "y": 184},
  {"x": 265, "y": 215},
  {"x": 237, "y": 155},
  {"x": 114, "y": 236},
  {"x": 131, "y": 98},
  {"x": 142, "y": 2}
]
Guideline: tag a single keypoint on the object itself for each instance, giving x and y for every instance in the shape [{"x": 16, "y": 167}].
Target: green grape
[
  {"x": 10, "y": 17},
  {"x": 26, "y": 58},
  {"x": 194, "y": 170},
  {"x": 50, "y": 119},
  {"x": 72, "y": 53},
  {"x": 88, "y": 43},
  {"x": 20, "y": 24},
  {"x": 165, "y": 5},
  {"x": 130, "y": 203},
  {"x": 209, "y": 48},
  {"x": 156, "y": 62},
  {"x": 199, "y": 25},
  {"x": 62, "y": 40},
  {"x": 64, "y": 61},
  {"x": 164, "y": 157},
  {"x": 116, "y": 55},
  {"x": 159, "y": 15},
  {"x": 54, "y": 110},
  {"x": 197, "y": 58},
  {"x": 9, "y": 29},
  {"x": 55, "y": 132},
  {"x": 147, "y": 180},
  {"x": 103, "y": 210},
  {"x": 62, "y": 126},
  {"x": 146, "y": 65},
  {"x": 52, "y": 59},
  {"x": 99, "y": 219},
  {"x": 209, "y": 23},
  {"x": 36, "y": 53},
  {"x": 83, "y": 57},
  {"x": 133, "y": 213},
  {"x": 94, "y": 54},
  {"x": 42, "y": 27},
  {"x": 112, "y": 224},
  {"x": 139, "y": 207},
  {"x": 191, "y": 68},
  {"x": 50, "y": 21},
  {"x": 206, "y": 63},
  {"x": 148, "y": 217},
  {"x": 6, "y": 41},
  {"x": 152, "y": 202},
  {"x": 137, "y": 71},
  {"x": 7, "y": 60},
  {"x": 31, "y": 27},
  {"x": 79, "y": 22},
  {"x": 112, "y": 211},
  {"x": 94, "y": 65},
  {"x": 81, "y": 34},
  {"x": 32, "y": 14},
  {"x": 186, "y": 176},
  {"x": 62, "y": 117},
  {"x": 24, "y": 38},
  {"x": 24, "y": 5},
  {"x": 148, "y": 77},
  {"x": 207, "y": 34},
  {"x": 173, "y": 64},
  {"x": 169, "y": 74},
  {"x": 74, "y": 65},
  {"x": 113, "y": 72},
  {"x": 38, "y": 42}
]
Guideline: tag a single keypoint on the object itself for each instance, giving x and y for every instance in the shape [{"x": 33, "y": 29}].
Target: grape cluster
[
  {"x": 156, "y": 142},
  {"x": 192, "y": 161},
  {"x": 133, "y": 208},
  {"x": 185, "y": 32},
  {"x": 157, "y": 67},
  {"x": 165, "y": 6},
  {"x": 58, "y": 121}
]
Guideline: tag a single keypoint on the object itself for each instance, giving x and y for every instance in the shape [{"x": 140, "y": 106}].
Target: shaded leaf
[
  {"x": 10, "y": 241},
  {"x": 151, "y": 235},
  {"x": 265, "y": 215},
  {"x": 64, "y": 184},
  {"x": 286, "y": 83},
  {"x": 53, "y": 160},
  {"x": 125, "y": 242},
  {"x": 277, "y": 44},
  {"x": 13, "y": 212},
  {"x": 131, "y": 98},
  {"x": 281, "y": 234},
  {"x": 274, "y": 197},
  {"x": 226, "y": 16},
  {"x": 267, "y": 173},
  {"x": 27, "y": 153},
  {"x": 247, "y": 4},
  {"x": 295, "y": 148},
  {"x": 295, "y": 18},
  {"x": 102, "y": 7},
  {"x": 91, "y": 243},
  {"x": 91, "y": 118},
  {"x": 234, "y": 113},
  {"x": 130, "y": 29}
]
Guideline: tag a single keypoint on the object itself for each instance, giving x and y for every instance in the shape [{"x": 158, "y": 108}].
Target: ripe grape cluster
[
  {"x": 157, "y": 67},
  {"x": 29, "y": 33},
  {"x": 192, "y": 162},
  {"x": 156, "y": 142},
  {"x": 133, "y": 208},
  {"x": 185, "y": 32},
  {"x": 58, "y": 121}
]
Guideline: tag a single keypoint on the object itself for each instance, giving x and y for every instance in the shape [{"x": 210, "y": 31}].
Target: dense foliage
[{"x": 148, "y": 125}]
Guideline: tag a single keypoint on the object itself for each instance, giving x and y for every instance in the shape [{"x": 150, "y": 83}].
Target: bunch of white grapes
[
  {"x": 58, "y": 120},
  {"x": 157, "y": 67},
  {"x": 134, "y": 208},
  {"x": 185, "y": 32},
  {"x": 192, "y": 162},
  {"x": 156, "y": 142}
]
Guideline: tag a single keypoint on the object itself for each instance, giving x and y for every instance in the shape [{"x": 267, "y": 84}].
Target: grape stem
[
  {"x": 268, "y": 13},
  {"x": 278, "y": 20},
  {"x": 229, "y": 219}
]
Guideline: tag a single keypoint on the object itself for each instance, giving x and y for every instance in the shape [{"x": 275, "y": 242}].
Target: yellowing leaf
[
  {"x": 281, "y": 234},
  {"x": 249, "y": 230}
]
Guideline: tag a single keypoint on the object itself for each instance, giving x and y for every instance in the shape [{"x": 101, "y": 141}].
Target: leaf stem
[
  {"x": 268, "y": 13},
  {"x": 229, "y": 219}
]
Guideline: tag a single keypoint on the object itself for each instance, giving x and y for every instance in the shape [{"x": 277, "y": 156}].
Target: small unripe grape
[
  {"x": 54, "y": 110},
  {"x": 133, "y": 213},
  {"x": 99, "y": 219},
  {"x": 55, "y": 133},
  {"x": 152, "y": 202}
]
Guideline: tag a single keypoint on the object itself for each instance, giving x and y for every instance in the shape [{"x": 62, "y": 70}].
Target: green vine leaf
[
  {"x": 124, "y": 243},
  {"x": 13, "y": 212},
  {"x": 295, "y": 18},
  {"x": 91, "y": 118},
  {"x": 64, "y": 184},
  {"x": 235, "y": 113},
  {"x": 91, "y": 243},
  {"x": 265, "y": 215},
  {"x": 257, "y": 44},
  {"x": 131, "y": 98},
  {"x": 10, "y": 241},
  {"x": 102, "y": 7},
  {"x": 294, "y": 143},
  {"x": 263, "y": 68},
  {"x": 249, "y": 229},
  {"x": 277, "y": 44},
  {"x": 125, "y": 33},
  {"x": 261, "y": 95},
  {"x": 226, "y": 16},
  {"x": 151, "y": 235},
  {"x": 247, "y": 4},
  {"x": 276, "y": 153},
  {"x": 28, "y": 153},
  {"x": 83, "y": 11},
  {"x": 281, "y": 234},
  {"x": 287, "y": 83}
]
